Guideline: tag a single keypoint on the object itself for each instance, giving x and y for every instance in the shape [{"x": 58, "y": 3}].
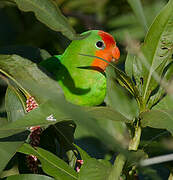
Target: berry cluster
[
  {"x": 32, "y": 161},
  {"x": 35, "y": 136},
  {"x": 31, "y": 104}
]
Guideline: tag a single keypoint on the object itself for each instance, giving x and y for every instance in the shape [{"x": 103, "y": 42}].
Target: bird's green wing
[{"x": 51, "y": 65}]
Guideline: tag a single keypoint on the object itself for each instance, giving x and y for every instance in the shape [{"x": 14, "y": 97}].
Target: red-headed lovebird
[{"x": 82, "y": 77}]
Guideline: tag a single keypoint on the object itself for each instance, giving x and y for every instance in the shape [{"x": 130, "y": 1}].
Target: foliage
[{"x": 112, "y": 139}]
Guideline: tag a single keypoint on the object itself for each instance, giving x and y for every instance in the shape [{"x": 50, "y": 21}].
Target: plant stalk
[{"x": 134, "y": 143}]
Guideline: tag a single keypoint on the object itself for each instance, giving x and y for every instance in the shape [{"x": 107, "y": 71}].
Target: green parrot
[{"x": 82, "y": 78}]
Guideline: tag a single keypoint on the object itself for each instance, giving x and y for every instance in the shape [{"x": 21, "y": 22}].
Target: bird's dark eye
[{"x": 100, "y": 44}]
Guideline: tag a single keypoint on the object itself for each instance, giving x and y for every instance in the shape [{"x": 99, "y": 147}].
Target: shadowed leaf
[
  {"x": 29, "y": 176},
  {"x": 48, "y": 13},
  {"x": 51, "y": 164},
  {"x": 7, "y": 151}
]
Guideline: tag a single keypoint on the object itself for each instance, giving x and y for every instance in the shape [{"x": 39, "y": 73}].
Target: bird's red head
[{"x": 109, "y": 51}]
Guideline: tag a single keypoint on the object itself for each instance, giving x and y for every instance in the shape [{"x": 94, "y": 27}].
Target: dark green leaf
[
  {"x": 48, "y": 13},
  {"x": 27, "y": 76},
  {"x": 29, "y": 177},
  {"x": 6, "y": 3},
  {"x": 37, "y": 117},
  {"x": 51, "y": 164},
  {"x": 149, "y": 173},
  {"x": 7, "y": 151},
  {"x": 65, "y": 131},
  {"x": 3, "y": 121},
  {"x": 14, "y": 105}
]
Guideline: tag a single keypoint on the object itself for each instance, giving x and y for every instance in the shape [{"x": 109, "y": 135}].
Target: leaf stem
[{"x": 134, "y": 143}]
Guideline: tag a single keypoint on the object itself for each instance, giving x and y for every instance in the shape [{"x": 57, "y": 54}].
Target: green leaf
[
  {"x": 158, "y": 100},
  {"x": 27, "y": 76},
  {"x": 6, "y": 3},
  {"x": 48, "y": 13},
  {"x": 14, "y": 109},
  {"x": 84, "y": 156},
  {"x": 51, "y": 164},
  {"x": 7, "y": 151},
  {"x": 10, "y": 172},
  {"x": 157, "y": 49},
  {"x": 138, "y": 10},
  {"x": 37, "y": 117},
  {"x": 148, "y": 66},
  {"x": 118, "y": 99},
  {"x": 112, "y": 121},
  {"x": 3, "y": 121},
  {"x": 95, "y": 169},
  {"x": 14, "y": 106},
  {"x": 29, "y": 176},
  {"x": 133, "y": 68},
  {"x": 106, "y": 113},
  {"x": 65, "y": 132},
  {"x": 161, "y": 119},
  {"x": 165, "y": 104},
  {"x": 149, "y": 173}
]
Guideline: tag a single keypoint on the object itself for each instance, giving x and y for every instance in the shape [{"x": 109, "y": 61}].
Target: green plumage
[{"x": 81, "y": 86}]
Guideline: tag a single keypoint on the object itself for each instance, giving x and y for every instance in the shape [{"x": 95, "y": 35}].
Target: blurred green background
[{"x": 19, "y": 29}]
